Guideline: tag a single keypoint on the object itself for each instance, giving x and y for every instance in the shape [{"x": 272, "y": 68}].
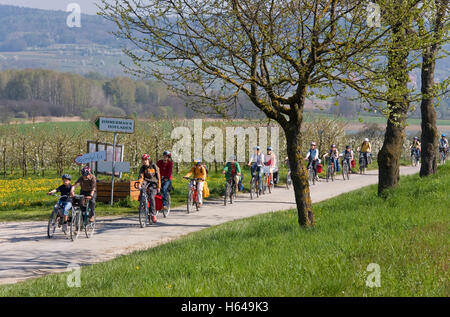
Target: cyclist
[
  {"x": 365, "y": 150},
  {"x": 271, "y": 162},
  {"x": 199, "y": 172},
  {"x": 65, "y": 202},
  {"x": 415, "y": 147},
  {"x": 232, "y": 170},
  {"x": 347, "y": 156},
  {"x": 443, "y": 144},
  {"x": 88, "y": 183},
  {"x": 257, "y": 162},
  {"x": 333, "y": 153},
  {"x": 313, "y": 157},
  {"x": 150, "y": 173},
  {"x": 165, "y": 167}
]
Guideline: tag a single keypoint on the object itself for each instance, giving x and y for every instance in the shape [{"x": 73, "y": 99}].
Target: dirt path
[{"x": 26, "y": 252}]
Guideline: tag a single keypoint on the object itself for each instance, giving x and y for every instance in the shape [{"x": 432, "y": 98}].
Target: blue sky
[{"x": 87, "y": 6}]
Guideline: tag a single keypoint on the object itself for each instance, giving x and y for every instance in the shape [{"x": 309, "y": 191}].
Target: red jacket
[{"x": 165, "y": 169}]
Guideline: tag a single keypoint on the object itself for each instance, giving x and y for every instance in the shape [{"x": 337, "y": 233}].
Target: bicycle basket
[{"x": 77, "y": 201}]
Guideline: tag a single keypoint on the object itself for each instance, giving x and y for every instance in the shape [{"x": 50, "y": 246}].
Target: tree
[
  {"x": 278, "y": 53},
  {"x": 439, "y": 25}
]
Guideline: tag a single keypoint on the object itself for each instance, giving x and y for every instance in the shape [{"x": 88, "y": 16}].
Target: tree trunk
[
  {"x": 398, "y": 105},
  {"x": 430, "y": 134},
  {"x": 299, "y": 175},
  {"x": 429, "y": 137}
]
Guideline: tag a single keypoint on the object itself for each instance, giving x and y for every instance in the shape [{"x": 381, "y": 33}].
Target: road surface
[{"x": 26, "y": 252}]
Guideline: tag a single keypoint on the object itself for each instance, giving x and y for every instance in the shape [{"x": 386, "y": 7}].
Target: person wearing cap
[
  {"x": 415, "y": 147},
  {"x": 232, "y": 170},
  {"x": 366, "y": 150},
  {"x": 313, "y": 157},
  {"x": 257, "y": 162},
  {"x": 88, "y": 183},
  {"x": 65, "y": 202},
  {"x": 165, "y": 168},
  {"x": 271, "y": 162},
  {"x": 199, "y": 172},
  {"x": 333, "y": 154},
  {"x": 150, "y": 173}
]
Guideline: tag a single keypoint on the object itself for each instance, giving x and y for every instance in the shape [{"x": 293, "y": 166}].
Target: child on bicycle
[
  {"x": 199, "y": 172},
  {"x": 88, "y": 184},
  {"x": 313, "y": 157},
  {"x": 232, "y": 170},
  {"x": 257, "y": 162},
  {"x": 333, "y": 155},
  {"x": 415, "y": 147},
  {"x": 65, "y": 202},
  {"x": 347, "y": 156}
]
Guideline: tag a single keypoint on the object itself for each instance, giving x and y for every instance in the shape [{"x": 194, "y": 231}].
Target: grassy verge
[{"x": 406, "y": 234}]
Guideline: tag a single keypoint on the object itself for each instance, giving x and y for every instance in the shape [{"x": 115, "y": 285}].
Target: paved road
[{"x": 26, "y": 252}]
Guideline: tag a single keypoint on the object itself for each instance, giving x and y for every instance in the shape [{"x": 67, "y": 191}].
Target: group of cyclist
[
  {"x": 415, "y": 147},
  {"x": 158, "y": 176}
]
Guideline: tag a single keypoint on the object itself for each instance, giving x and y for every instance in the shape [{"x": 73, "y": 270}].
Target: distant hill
[{"x": 22, "y": 28}]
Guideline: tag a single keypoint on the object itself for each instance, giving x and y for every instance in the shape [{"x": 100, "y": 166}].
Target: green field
[{"x": 406, "y": 234}]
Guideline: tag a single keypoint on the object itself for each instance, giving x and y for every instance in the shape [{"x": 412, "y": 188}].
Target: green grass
[{"x": 406, "y": 234}]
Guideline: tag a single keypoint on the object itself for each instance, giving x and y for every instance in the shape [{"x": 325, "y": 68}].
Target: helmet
[
  {"x": 167, "y": 153},
  {"x": 66, "y": 176},
  {"x": 313, "y": 143},
  {"x": 197, "y": 161},
  {"x": 85, "y": 171},
  {"x": 366, "y": 140},
  {"x": 269, "y": 148},
  {"x": 333, "y": 145},
  {"x": 443, "y": 135},
  {"x": 347, "y": 146},
  {"x": 145, "y": 157},
  {"x": 416, "y": 138},
  {"x": 257, "y": 147},
  {"x": 232, "y": 158}
]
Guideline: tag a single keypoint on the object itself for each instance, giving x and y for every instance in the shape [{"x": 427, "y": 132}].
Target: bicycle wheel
[
  {"x": 288, "y": 180},
  {"x": 226, "y": 194},
  {"x": 75, "y": 224},
  {"x": 89, "y": 227},
  {"x": 332, "y": 173},
  {"x": 347, "y": 172},
  {"x": 252, "y": 187},
  {"x": 328, "y": 173},
  {"x": 143, "y": 211},
  {"x": 269, "y": 184},
  {"x": 413, "y": 160},
  {"x": 52, "y": 223},
  {"x": 166, "y": 212},
  {"x": 190, "y": 201}
]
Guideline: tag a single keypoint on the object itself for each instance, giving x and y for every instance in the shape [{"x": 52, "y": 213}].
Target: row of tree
[{"x": 281, "y": 52}]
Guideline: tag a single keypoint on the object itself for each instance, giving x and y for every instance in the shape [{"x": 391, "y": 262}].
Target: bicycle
[
  {"x": 443, "y": 155},
  {"x": 230, "y": 190},
  {"x": 311, "y": 174},
  {"x": 414, "y": 156},
  {"x": 192, "y": 199},
  {"x": 144, "y": 215},
  {"x": 288, "y": 179},
  {"x": 345, "y": 170},
  {"x": 166, "y": 212},
  {"x": 80, "y": 219},
  {"x": 254, "y": 184},
  {"x": 56, "y": 218},
  {"x": 330, "y": 169},
  {"x": 362, "y": 162},
  {"x": 267, "y": 183}
]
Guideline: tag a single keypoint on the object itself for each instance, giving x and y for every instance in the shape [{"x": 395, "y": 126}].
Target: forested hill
[{"x": 22, "y": 28}]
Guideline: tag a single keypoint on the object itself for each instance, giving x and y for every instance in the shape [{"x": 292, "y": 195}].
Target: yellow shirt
[
  {"x": 366, "y": 147},
  {"x": 198, "y": 171}
]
